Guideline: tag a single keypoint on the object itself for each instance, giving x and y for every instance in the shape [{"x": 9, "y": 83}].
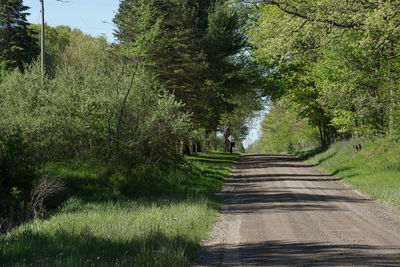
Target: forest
[
  {"x": 129, "y": 120},
  {"x": 333, "y": 71},
  {"x": 174, "y": 77}
]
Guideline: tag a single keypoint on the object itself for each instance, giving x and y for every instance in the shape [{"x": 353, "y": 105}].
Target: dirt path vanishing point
[{"x": 280, "y": 211}]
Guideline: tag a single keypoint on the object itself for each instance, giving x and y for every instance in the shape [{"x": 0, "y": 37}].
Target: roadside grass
[
  {"x": 375, "y": 170},
  {"x": 150, "y": 216}
]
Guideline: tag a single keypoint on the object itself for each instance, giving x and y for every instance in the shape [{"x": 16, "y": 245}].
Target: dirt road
[{"x": 280, "y": 211}]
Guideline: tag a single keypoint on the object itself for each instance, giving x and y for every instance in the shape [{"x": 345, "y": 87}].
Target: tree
[
  {"x": 335, "y": 62},
  {"x": 193, "y": 48},
  {"x": 161, "y": 37},
  {"x": 282, "y": 131},
  {"x": 57, "y": 40},
  {"x": 17, "y": 44}
]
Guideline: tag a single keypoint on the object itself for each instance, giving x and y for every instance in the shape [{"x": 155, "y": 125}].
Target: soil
[{"x": 281, "y": 211}]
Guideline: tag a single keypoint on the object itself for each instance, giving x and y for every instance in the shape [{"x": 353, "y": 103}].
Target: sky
[
  {"x": 255, "y": 128},
  {"x": 93, "y": 17}
]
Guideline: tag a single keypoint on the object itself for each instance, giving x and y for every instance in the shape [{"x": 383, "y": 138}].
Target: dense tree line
[
  {"x": 175, "y": 76},
  {"x": 283, "y": 131},
  {"x": 335, "y": 63},
  {"x": 193, "y": 49}
]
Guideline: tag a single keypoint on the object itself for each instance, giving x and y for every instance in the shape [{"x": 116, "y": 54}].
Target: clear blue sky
[{"x": 90, "y": 16}]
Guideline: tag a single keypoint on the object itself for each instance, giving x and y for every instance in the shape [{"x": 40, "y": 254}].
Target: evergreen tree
[
  {"x": 17, "y": 44},
  {"x": 192, "y": 47},
  {"x": 162, "y": 37}
]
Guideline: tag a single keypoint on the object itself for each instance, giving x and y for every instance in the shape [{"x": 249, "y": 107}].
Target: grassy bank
[
  {"x": 147, "y": 217},
  {"x": 375, "y": 170}
]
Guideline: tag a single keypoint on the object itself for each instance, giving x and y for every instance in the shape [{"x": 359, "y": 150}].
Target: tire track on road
[{"x": 280, "y": 211}]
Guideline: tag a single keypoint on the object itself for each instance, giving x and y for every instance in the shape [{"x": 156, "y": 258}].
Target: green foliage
[
  {"x": 192, "y": 49},
  {"x": 336, "y": 64},
  {"x": 17, "y": 163},
  {"x": 84, "y": 110},
  {"x": 164, "y": 228},
  {"x": 92, "y": 180},
  {"x": 244, "y": 109},
  {"x": 283, "y": 131},
  {"x": 374, "y": 170},
  {"x": 57, "y": 40},
  {"x": 17, "y": 45},
  {"x": 160, "y": 36},
  {"x": 3, "y": 71},
  {"x": 125, "y": 233},
  {"x": 140, "y": 31},
  {"x": 17, "y": 174},
  {"x": 350, "y": 72},
  {"x": 234, "y": 73},
  {"x": 222, "y": 38},
  {"x": 91, "y": 106}
]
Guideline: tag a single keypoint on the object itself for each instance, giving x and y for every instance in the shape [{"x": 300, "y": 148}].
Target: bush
[
  {"x": 17, "y": 173},
  {"x": 92, "y": 106},
  {"x": 85, "y": 111}
]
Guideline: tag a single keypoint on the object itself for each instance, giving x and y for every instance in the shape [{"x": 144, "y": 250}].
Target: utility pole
[{"x": 42, "y": 40}]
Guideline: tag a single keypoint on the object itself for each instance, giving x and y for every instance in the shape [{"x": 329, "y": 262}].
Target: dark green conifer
[{"x": 17, "y": 44}]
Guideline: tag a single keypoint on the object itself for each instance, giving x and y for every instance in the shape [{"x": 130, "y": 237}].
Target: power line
[
  {"x": 43, "y": 37},
  {"x": 77, "y": 14},
  {"x": 91, "y": 3},
  {"x": 43, "y": 34}
]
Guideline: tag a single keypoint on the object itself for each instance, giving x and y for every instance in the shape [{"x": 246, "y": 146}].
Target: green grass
[
  {"x": 147, "y": 216},
  {"x": 375, "y": 170}
]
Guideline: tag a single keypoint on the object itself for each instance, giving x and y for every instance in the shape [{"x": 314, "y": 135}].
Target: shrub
[
  {"x": 17, "y": 173},
  {"x": 92, "y": 106},
  {"x": 86, "y": 111}
]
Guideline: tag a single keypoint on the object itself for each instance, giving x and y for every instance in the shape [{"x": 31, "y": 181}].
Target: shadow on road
[
  {"x": 280, "y": 253},
  {"x": 256, "y": 161},
  {"x": 285, "y": 200},
  {"x": 269, "y": 192},
  {"x": 262, "y": 186}
]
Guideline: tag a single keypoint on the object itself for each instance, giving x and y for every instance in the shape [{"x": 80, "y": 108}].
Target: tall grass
[
  {"x": 375, "y": 170},
  {"x": 109, "y": 226}
]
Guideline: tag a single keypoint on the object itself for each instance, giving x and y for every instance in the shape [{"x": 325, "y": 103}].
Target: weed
[
  {"x": 162, "y": 226},
  {"x": 375, "y": 170}
]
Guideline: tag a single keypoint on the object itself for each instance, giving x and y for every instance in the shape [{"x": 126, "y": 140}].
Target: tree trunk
[
  {"x": 181, "y": 148},
  {"x": 198, "y": 145},
  {"x": 184, "y": 148},
  {"x": 187, "y": 149},
  {"x": 321, "y": 136},
  {"x": 332, "y": 134},
  {"x": 190, "y": 146},
  {"x": 194, "y": 145}
]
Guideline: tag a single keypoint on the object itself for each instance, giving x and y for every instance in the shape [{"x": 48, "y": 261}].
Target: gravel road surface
[{"x": 281, "y": 211}]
